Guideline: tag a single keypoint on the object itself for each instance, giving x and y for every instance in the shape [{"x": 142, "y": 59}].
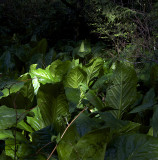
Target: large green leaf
[
  {"x": 44, "y": 75},
  {"x": 67, "y": 143},
  {"x": 8, "y": 116},
  {"x": 122, "y": 94},
  {"x": 36, "y": 122},
  {"x": 93, "y": 68},
  {"x": 53, "y": 105},
  {"x": 58, "y": 69},
  {"x": 53, "y": 73},
  {"x": 133, "y": 147},
  {"x": 75, "y": 77},
  {"x": 91, "y": 146}
]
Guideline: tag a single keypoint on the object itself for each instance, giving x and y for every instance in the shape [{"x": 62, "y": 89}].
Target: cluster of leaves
[
  {"x": 67, "y": 102},
  {"x": 18, "y": 57},
  {"x": 112, "y": 118}
]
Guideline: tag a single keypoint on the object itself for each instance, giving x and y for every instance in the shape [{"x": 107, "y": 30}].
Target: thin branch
[{"x": 65, "y": 131}]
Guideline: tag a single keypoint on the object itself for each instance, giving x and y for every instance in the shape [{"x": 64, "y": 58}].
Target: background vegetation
[{"x": 78, "y": 79}]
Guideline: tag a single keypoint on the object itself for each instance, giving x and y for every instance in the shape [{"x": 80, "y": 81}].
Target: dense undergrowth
[
  {"x": 86, "y": 91},
  {"x": 85, "y": 111}
]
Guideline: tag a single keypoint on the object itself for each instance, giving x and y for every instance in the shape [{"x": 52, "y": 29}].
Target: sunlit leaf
[
  {"x": 75, "y": 77},
  {"x": 93, "y": 68},
  {"x": 122, "y": 94}
]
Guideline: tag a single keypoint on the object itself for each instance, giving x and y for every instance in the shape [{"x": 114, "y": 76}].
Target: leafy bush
[{"x": 82, "y": 111}]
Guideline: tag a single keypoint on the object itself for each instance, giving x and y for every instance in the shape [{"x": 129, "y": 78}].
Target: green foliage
[
  {"x": 134, "y": 146},
  {"x": 94, "y": 143},
  {"x": 58, "y": 93},
  {"x": 112, "y": 22},
  {"x": 122, "y": 94},
  {"x": 63, "y": 89}
]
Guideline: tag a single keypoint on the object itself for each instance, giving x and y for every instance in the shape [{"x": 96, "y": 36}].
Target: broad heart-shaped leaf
[
  {"x": 133, "y": 147},
  {"x": 154, "y": 121},
  {"x": 93, "y": 68},
  {"x": 44, "y": 75},
  {"x": 67, "y": 143},
  {"x": 53, "y": 105},
  {"x": 95, "y": 100},
  {"x": 8, "y": 116},
  {"x": 122, "y": 94},
  {"x": 75, "y": 77},
  {"x": 58, "y": 69},
  {"x": 91, "y": 146}
]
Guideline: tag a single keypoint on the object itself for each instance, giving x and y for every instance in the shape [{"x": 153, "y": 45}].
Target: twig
[{"x": 65, "y": 132}]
